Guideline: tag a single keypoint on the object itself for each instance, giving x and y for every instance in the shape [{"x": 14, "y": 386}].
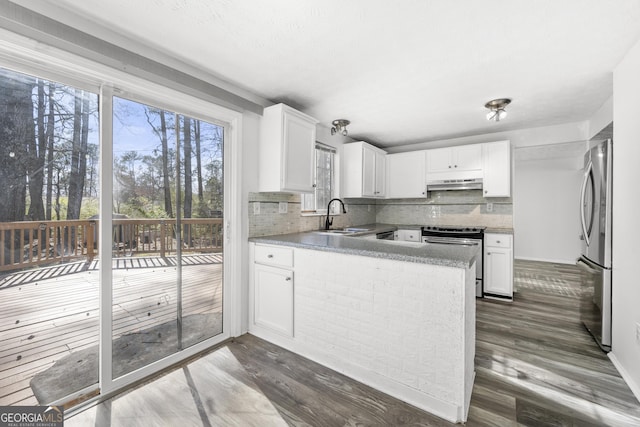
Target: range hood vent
[{"x": 455, "y": 184}]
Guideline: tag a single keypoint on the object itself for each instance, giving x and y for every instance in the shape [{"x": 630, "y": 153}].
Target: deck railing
[{"x": 30, "y": 243}]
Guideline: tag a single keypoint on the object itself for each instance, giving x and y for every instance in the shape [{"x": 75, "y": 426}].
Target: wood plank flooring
[
  {"x": 535, "y": 366},
  {"x": 48, "y": 313}
]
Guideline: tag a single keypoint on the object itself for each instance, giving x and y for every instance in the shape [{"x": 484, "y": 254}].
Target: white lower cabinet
[
  {"x": 274, "y": 298},
  {"x": 273, "y": 289},
  {"x": 498, "y": 265}
]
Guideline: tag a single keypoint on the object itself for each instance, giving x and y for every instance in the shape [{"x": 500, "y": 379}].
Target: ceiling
[{"x": 402, "y": 72}]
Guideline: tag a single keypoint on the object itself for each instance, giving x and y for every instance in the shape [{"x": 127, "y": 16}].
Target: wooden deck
[{"x": 48, "y": 313}]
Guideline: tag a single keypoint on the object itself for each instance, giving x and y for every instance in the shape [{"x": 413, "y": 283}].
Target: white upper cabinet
[
  {"x": 496, "y": 167},
  {"x": 406, "y": 175},
  {"x": 287, "y": 143},
  {"x": 451, "y": 159},
  {"x": 363, "y": 170}
]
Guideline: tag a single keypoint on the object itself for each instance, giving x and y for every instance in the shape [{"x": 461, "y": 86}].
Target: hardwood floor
[{"x": 535, "y": 366}]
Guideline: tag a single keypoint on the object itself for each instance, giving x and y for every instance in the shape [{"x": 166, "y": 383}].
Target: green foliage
[
  {"x": 141, "y": 207},
  {"x": 90, "y": 207}
]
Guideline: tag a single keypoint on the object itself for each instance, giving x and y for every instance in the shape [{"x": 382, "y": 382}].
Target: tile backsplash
[
  {"x": 269, "y": 220},
  {"x": 440, "y": 208},
  {"x": 448, "y": 208}
]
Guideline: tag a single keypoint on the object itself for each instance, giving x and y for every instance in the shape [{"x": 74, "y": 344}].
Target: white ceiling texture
[{"x": 402, "y": 71}]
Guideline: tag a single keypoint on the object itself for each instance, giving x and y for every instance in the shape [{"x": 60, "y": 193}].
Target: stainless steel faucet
[{"x": 329, "y": 221}]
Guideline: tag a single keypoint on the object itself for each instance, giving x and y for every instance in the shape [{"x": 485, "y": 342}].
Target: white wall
[
  {"x": 601, "y": 118},
  {"x": 546, "y": 202},
  {"x": 626, "y": 205}
]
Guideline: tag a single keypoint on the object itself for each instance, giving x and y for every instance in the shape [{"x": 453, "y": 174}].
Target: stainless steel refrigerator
[{"x": 595, "y": 261}]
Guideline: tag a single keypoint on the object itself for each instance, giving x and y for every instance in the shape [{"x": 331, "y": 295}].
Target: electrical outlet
[
  {"x": 256, "y": 208},
  {"x": 638, "y": 332},
  {"x": 283, "y": 207},
  {"x": 489, "y": 207}
]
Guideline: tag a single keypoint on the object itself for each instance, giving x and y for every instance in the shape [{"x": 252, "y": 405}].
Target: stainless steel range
[{"x": 452, "y": 235}]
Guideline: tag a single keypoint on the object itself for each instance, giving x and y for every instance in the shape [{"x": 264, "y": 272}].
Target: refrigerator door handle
[{"x": 587, "y": 174}]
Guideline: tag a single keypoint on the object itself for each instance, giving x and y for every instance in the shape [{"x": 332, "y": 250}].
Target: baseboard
[
  {"x": 554, "y": 261},
  {"x": 635, "y": 387}
]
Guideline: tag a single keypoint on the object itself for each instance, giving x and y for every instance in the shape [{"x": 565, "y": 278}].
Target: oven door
[{"x": 462, "y": 241}]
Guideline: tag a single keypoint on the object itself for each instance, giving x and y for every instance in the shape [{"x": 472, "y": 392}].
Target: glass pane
[
  {"x": 143, "y": 241},
  {"x": 203, "y": 205},
  {"x": 167, "y": 234},
  {"x": 48, "y": 283},
  {"x": 324, "y": 178}
]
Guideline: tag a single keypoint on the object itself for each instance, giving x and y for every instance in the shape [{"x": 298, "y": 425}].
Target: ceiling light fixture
[
  {"x": 340, "y": 126},
  {"x": 496, "y": 109}
]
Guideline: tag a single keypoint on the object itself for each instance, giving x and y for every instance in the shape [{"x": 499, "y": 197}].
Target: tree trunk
[
  {"x": 16, "y": 133},
  {"x": 49, "y": 133},
  {"x": 37, "y": 153},
  {"x": 188, "y": 191},
  {"x": 199, "y": 164},
  {"x": 78, "y": 167},
  {"x": 165, "y": 165}
]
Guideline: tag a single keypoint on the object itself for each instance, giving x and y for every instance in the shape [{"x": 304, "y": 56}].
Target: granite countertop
[
  {"x": 496, "y": 230},
  {"x": 355, "y": 244}
]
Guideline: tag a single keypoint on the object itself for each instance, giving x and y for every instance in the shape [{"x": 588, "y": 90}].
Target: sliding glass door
[
  {"x": 111, "y": 237},
  {"x": 167, "y": 254}
]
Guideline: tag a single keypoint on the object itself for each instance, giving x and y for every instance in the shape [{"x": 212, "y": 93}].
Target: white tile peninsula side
[{"x": 405, "y": 328}]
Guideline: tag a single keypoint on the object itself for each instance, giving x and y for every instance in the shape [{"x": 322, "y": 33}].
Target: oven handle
[{"x": 449, "y": 241}]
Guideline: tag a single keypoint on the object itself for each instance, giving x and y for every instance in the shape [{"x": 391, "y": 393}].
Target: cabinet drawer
[
  {"x": 497, "y": 240},
  {"x": 274, "y": 255}
]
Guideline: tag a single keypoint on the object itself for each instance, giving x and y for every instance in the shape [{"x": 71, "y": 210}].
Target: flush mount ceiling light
[
  {"x": 340, "y": 126},
  {"x": 496, "y": 109}
]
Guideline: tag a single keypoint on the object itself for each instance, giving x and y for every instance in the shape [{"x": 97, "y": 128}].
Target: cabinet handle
[
  {"x": 269, "y": 256},
  {"x": 486, "y": 191},
  {"x": 449, "y": 166},
  {"x": 455, "y": 166},
  {"x": 314, "y": 186},
  {"x": 288, "y": 279},
  {"x": 497, "y": 241},
  {"x": 488, "y": 253},
  {"x": 411, "y": 237}
]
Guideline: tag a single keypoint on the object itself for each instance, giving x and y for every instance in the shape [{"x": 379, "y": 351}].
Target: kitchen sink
[
  {"x": 335, "y": 232},
  {"x": 348, "y": 230}
]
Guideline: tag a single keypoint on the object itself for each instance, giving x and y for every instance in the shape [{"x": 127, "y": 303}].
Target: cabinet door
[
  {"x": 368, "y": 172},
  {"x": 406, "y": 174},
  {"x": 380, "y": 174},
  {"x": 468, "y": 157},
  {"x": 496, "y": 167},
  {"x": 439, "y": 160},
  {"x": 273, "y": 298},
  {"x": 298, "y": 149},
  {"x": 498, "y": 271}
]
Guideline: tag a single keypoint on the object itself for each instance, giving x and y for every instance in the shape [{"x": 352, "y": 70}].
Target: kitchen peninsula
[{"x": 398, "y": 316}]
